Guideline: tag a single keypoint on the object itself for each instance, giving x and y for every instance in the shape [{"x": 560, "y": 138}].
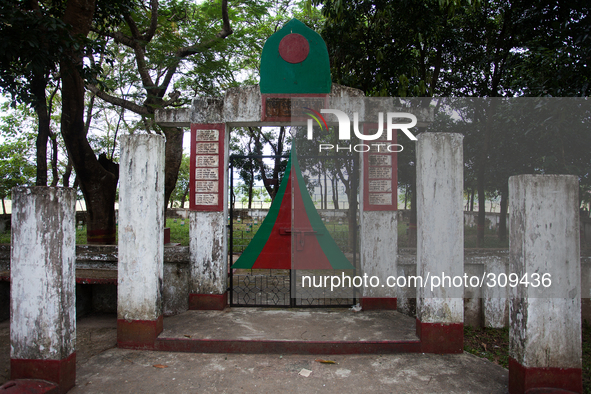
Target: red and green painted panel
[
  {"x": 295, "y": 60},
  {"x": 293, "y": 236}
]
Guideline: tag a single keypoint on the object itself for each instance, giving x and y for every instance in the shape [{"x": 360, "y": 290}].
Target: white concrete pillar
[
  {"x": 208, "y": 245},
  {"x": 379, "y": 251},
  {"x": 43, "y": 283},
  {"x": 545, "y": 313},
  {"x": 208, "y": 259},
  {"x": 141, "y": 240},
  {"x": 440, "y": 241}
]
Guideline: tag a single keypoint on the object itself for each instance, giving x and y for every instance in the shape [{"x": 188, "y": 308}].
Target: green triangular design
[
  {"x": 258, "y": 242},
  {"x": 334, "y": 254}
]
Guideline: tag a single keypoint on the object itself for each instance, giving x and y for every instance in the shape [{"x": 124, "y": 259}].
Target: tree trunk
[
  {"x": 38, "y": 89},
  {"x": 97, "y": 177},
  {"x": 54, "y": 151},
  {"x": 352, "y": 214},
  {"x": 325, "y": 191},
  {"x": 412, "y": 227},
  {"x": 67, "y": 174},
  {"x": 172, "y": 160},
  {"x": 250, "y": 184},
  {"x": 481, "y": 173},
  {"x": 335, "y": 192},
  {"x": 472, "y": 200},
  {"x": 321, "y": 195},
  {"x": 481, "y": 210},
  {"x": 184, "y": 198},
  {"x": 503, "y": 217}
]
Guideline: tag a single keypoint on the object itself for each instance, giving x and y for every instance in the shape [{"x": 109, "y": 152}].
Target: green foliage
[
  {"x": 34, "y": 39},
  {"x": 16, "y": 152},
  {"x": 182, "y": 183}
]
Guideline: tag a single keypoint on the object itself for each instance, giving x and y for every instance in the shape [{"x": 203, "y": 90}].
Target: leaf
[
  {"x": 160, "y": 366},
  {"x": 325, "y": 361}
]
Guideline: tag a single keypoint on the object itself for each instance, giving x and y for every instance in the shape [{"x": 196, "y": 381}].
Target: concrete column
[
  {"x": 208, "y": 249},
  {"x": 141, "y": 240},
  {"x": 545, "y": 321},
  {"x": 208, "y": 259},
  {"x": 42, "y": 269},
  {"x": 440, "y": 241},
  {"x": 379, "y": 251}
]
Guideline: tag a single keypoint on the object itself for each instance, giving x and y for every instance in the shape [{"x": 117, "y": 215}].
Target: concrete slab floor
[
  {"x": 336, "y": 324},
  {"x": 135, "y": 371},
  {"x": 125, "y": 371}
]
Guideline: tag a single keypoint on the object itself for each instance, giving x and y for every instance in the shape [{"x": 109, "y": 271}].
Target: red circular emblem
[{"x": 294, "y": 48}]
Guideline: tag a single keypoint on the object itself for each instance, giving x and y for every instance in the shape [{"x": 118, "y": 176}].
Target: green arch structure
[{"x": 311, "y": 76}]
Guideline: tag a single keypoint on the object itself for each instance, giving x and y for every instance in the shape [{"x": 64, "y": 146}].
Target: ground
[{"x": 96, "y": 351}]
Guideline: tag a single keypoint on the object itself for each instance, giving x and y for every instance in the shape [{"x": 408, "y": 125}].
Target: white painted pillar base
[
  {"x": 208, "y": 259},
  {"x": 379, "y": 251},
  {"x": 141, "y": 240},
  {"x": 545, "y": 322},
  {"x": 440, "y": 240},
  {"x": 43, "y": 284}
]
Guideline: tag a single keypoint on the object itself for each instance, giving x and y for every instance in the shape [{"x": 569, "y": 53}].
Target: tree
[
  {"x": 16, "y": 154},
  {"x": 47, "y": 41},
  {"x": 181, "y": 191},
  {"x": 448, "y": 48},
  {"x": 174, "y": 46}
]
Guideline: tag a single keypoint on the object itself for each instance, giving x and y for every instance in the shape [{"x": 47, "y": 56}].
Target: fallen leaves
[{"x": 318, "y": 360}]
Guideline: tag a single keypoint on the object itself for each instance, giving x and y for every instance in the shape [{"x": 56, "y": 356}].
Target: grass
[
  {"x": 491, "y": 239},
  {"x": 493, "y": 344},
  {"x": 245, "y": 231},
  {"x": 489, "y": 343},
  {"x": 179, "y": 233}
]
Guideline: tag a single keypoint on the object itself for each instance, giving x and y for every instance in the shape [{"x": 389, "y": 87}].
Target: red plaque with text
[
  {"x": 380, "y": 175},
  {"x": 207, "y": 167}
]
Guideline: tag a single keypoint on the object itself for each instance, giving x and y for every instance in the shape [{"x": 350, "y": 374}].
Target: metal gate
[{"x": 277, "y": 287}]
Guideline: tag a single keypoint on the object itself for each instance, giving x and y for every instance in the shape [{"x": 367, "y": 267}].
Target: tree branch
[
  {"x": 140, "y": 110},
  {"x": 135, "y": 33},
  {"x": 182, "y": 53},
  {"x": 117, "y": 36},
  {"x": 147, "y": 36}
]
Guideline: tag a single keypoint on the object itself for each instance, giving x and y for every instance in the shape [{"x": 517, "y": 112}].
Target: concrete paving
[
  {"x": 125, "y": 371},
  {"x": 335, "y": 324},
  {"x": 134, "y": 371}
]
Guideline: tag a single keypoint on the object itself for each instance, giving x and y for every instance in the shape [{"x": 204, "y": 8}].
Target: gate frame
[{"x": 293, "y": 273}]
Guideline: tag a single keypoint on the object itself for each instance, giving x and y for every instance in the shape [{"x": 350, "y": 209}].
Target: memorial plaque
[
  {"x": 380, "y": 160},
  {"x": 206, "y": 186},
  {"x": 280, "y": 107},
  {"x": 207, "y": 167},
  {"x": 380, "y": 186},
  {"x": 207, "y": 135},
  {"x": 206, "y": 199},
  {"x": 380, "y": 180},
  {"x": 380, "y": 172},
  {"x": 379, "y": 146},
  {"x": 206, "y": 173},
  {"x": 380, "y": 198},
  {"x": 208, "y": 161},
  {"x": 207, "y": 148}
]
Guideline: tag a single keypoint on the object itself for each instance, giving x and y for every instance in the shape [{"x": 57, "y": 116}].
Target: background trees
[
  {"x": 480, "y": 49},
  {"x": 109, "y": 65}
]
